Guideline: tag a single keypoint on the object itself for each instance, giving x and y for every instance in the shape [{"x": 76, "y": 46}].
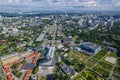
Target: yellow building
[{"x": 10, "y": 59}]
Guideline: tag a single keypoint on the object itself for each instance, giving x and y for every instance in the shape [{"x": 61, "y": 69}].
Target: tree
[
  {"x": 77, "y": 41},
  {"x": 0, "y": 78},
  {"x": 80, "y": 67},
  {"x": 89, "y": 78},
  {"x": 19, "y": 75},
  {"x": 23, "y": 61},
  {"x": 35, "y": 70},
  {"x": 49, "y": 37},
  {"x": 26, "y": 39},
  {"x": 67, "y": 77},
  {"x": 15, "y": 66}
]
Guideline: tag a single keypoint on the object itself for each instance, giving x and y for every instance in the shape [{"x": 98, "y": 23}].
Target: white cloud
[{"x": 96, "y": 4}]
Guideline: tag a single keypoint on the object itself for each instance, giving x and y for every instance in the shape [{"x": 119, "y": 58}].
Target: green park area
[
  {"x": 15, "y": 70},
  {"x": 43, "y": 78},
  {"x": 88, "y": 74},
  {"x": 97, "y": 68},
  {"x": 117, "y": 68},
  {"x": 4, "y": 50},
  {"x": 77, "y": 55},
  {"x": 96, "y": 58},
  {"x": 0, "y": 78}
]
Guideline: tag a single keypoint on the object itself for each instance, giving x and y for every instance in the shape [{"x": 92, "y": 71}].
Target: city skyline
[{"x": 59, "y": 39}]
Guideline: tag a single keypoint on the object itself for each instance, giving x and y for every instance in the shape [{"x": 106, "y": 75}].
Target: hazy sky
[{"x": 63, "y": 4}]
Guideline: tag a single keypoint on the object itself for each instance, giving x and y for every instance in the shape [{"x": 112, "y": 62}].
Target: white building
[{"x": 47, "y": 62}]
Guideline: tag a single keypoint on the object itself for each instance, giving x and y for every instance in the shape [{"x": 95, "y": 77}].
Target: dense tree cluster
[
  {"x": 99, "y": 35},
  {"x": 35, "y": 70}
]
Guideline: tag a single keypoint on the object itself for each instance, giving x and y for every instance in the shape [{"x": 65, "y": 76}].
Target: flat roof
[
  {"x": 40, "y": 37},
  {"x": 51, "y": 52},
  {"x": 10, "y": 60},
  {"x": 29, "y": 65},
  {"x": 67, "y": 40},
  {"x": 8, "y": 56},
  {"x": 90, "y": 45}
]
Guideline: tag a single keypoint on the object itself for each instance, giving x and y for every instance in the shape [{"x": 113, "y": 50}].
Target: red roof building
[
  {"x": 23, "y": 66},
  {"x": 27, "y": 75},
  {"x": 9, "y": 76}
]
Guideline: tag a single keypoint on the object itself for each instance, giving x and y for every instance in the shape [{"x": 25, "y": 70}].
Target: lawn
[
  {"x": 105, "y": 66},
  {"x": 90, "y": 75},
  {"x": 0, "y": 78},
  {"x": 101, "y": 54},
  {"x": 93, "y": 60},
  {"x": 118, "y": 62},
  {"x": 78, "y": 77},
  {"x": 79, "y": 56},
  {"x": 102, "y": 71},
  {"x": 43, "y": 78},
  {"x": 112, "y": 54},
  {"x": 117, "y": 70},
  {"x": 89, "y": 64}
]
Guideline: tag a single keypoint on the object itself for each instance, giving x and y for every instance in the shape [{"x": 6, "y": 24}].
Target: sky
[{"x": 59, "y": 5}]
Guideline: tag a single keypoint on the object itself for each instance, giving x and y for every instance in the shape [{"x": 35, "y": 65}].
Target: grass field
[
  {"x": 89, "y": 64},
  {"x": 88, "y": 75},
  {"x": 79, "y": 56},
  {"x": 101, "y": 54},
  {"x": 0, "y": 78},
  {"x": 112, "y": 54},
  {"x": 105, "y": 66},
  {"x": 102, "y": 71}
]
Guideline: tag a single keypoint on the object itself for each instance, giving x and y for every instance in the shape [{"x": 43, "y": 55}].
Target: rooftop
[
  {"x": 90, "y": 45},
  {"x": 29, "y": 65},
  {"x": 65, "y": 40},
  {"x": 47, "y": 57},
  {"x": 7, "y": 70},
  {"x": 40, "y": 37},
  {"x": 27, "y": 74},
  {"x": 67, "y": 70}
]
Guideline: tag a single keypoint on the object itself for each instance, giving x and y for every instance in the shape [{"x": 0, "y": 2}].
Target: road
[
  {"x": 45, "y": 40},
  {"x": 54, "y": 35}
]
